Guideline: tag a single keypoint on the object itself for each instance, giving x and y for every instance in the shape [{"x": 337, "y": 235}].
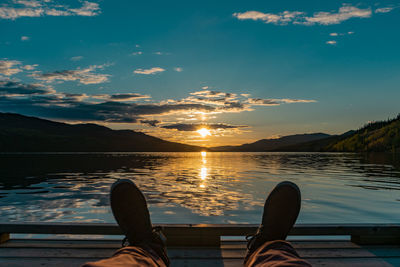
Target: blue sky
[{"x": 245, "y": 70}]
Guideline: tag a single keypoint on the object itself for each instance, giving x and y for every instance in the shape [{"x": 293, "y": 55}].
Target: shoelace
[{"x": 250, "y": 239}]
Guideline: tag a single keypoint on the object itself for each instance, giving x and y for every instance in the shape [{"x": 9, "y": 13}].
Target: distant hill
[
  {"x": 319, "y": 145},
  {"x": 381, "y": 136},
  {"x": 20, "y": 133},
  {"x": 273, "y": 144}
]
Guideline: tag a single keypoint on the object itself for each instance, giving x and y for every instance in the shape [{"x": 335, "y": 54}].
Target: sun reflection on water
[{"x": 196, "y": 187}]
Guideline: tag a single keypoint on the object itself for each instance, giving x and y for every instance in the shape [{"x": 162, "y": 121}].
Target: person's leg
[
  {"x": 267, "y": 247},
  {"x": 146, "y": 245}
]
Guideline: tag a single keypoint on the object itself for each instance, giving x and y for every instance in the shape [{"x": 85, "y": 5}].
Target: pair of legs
[{"x": 146, "y": 245}]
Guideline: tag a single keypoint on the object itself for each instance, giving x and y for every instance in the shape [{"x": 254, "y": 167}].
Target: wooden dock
[{"x": 199, "y": 244}]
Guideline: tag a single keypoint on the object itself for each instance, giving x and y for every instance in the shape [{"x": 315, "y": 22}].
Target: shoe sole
[
  {"x": 143, "y": 207},
  {"x": 274, "y": 191}
]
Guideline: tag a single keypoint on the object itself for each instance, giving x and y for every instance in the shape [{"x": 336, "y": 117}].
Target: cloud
[
  {"x": 137, "y": 53},
  {"x": 212, "y": 94},
  {"x": 25, "y": 38},
  {"x": 213, "y": 98},
  {"x": 334, "y": 34},
  {"x": 178, "y": 69},
  {"x": 87, "y": 9},
  {"x": 29, "y": 67},
  {"x": 29, "y": 3},
  {"x": 384, "y": 9},
  {"x": 39, "y": 8},
  {"x": 150, "y": 122},
  {"x": 76, "y": 58},
  {"x": 345, "y": 12},
  {"x": 9, "y": 67},
  {"x": 8, "y": 87},
  {"x": 282, "y": 18},
  {"x": 331, "y": 42},
  {"x": 42, "y": 100},
  {"x": 277, "y": 102},
  {"x": 149, "y": 71},
  {"x": 84, "y": 76},
  {"x": 189, "y": 127},
  {"x": 123, "y": 97}
]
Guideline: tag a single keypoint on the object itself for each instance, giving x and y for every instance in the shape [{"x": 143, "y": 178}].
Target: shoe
[
  {"x": 281, "y": 210},
  {"x": 129, "y": 208}
]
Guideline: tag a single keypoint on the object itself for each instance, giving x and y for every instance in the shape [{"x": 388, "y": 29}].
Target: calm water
[{"x": 200, "y": 187}]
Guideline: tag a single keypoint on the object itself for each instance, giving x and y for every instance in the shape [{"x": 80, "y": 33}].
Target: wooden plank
[
  {"x": 375, "y": 239},
  {"x": 199, "y": 253},
  {"x": 200, "y": 229},
  {"x": 355, "y": 262},
  {"x": 44, "y": 262},
  {"x": 67, "y": 262},
  {"x": 315, "y": 263},
  {"x": 115, "y": 244}
]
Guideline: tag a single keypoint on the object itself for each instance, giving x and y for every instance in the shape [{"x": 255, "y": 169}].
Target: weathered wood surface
[
  {"x": 75, "y": 251},
  {"x": 35, "y": 252},
  {"x": 209, "y": 234},
  {"x": 201, "y": 229}
]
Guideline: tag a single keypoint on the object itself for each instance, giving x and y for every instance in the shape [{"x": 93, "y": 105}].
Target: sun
[{"x": 204, "y": 132}]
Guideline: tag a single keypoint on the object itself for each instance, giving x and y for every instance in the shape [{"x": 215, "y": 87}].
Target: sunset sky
[{"x": 242, "y": 70}]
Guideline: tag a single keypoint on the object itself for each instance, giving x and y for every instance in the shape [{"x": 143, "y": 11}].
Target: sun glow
[{"x": 204, "y": 132}]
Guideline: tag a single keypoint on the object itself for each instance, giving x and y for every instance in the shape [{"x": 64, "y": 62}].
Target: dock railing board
[{"x": 210, "y": 234}]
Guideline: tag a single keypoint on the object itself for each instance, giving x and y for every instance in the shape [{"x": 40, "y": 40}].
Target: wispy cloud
[
  {"x": 122, "y": 97},
  {"x": 25, "y": 38},
  {"x": 137, "y": 53},
  {"x": 331, "y": 42},
  {"x": 191, "y": 127},
  {"x": 345, "y": 12},
  {"x": 178, "y": 69},
  {"x": 76, "y": 58},
  {"x": 281, "y": 18},
  {"x": 384, "y": 9},
  {"x": 12, "y": 88},
  {"x": 39, "y": 8},
  {"x": 149, "y": 71},
  {"x": 277, "y": 102},
  {"x": 153, "y": 123},
  {"x": 29, "y": 67},
  {"x": 9, "y": 67},
  {"x": 84, "y": 76},
  {"x": 334, "y": 34}
]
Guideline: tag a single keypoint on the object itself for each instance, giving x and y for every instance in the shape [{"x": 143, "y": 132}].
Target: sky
[{"x": 242, "y": 70}]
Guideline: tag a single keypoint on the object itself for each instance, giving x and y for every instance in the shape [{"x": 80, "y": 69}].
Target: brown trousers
[{"x": 273, "y": 254}]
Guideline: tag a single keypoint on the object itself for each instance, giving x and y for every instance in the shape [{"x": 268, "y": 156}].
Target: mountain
[
  {"x": 20, "y": 133},
  {"x": 381, "y": 136},
  {"x": 318, "y": 145},
  {"x": 273, "y": 144}
]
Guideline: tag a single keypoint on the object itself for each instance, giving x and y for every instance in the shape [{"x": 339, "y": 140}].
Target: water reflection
[{"x": 200, "y": 187}]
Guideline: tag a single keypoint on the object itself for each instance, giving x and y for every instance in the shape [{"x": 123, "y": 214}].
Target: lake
[{"x": 200, "y": 187}]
